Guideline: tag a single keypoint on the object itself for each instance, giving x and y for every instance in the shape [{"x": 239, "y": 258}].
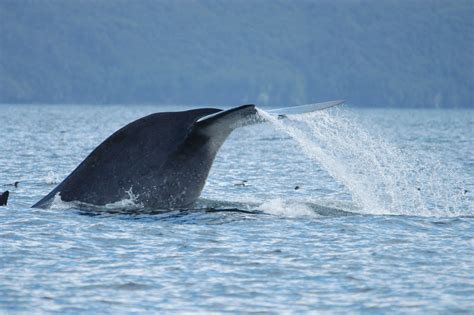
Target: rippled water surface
[{"x": 345, "y": 211}]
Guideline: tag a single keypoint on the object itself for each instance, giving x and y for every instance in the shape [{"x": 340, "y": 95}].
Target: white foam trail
[
  {"x": 381, "y": 178},
  {"x": 287, "y": 208},
  {"x": 58, "y": 203},
  {"x": 128, "y": 203}
]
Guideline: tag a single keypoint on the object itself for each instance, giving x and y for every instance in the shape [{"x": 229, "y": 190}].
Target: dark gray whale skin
[
  {"x": 163, "y": 159},
  {"x": 4, "y": 198}
]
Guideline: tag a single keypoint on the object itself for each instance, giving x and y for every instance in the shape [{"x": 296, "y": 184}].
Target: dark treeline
[{"x": 371, "y": 53}]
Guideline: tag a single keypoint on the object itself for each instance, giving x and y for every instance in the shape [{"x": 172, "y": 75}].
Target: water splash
[
  {"x": 59, "y": 204},
  {"x": 382, "y": 178},
  {"x": 130, "y": 203},
  {"x": 52, "y": 178},
  {"x": 286, "y": 208}
]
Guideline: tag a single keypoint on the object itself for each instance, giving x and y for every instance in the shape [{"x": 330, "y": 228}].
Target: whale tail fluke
[
  {"x": 180, "y": 148},
  {"x": 303, "y": 109}
]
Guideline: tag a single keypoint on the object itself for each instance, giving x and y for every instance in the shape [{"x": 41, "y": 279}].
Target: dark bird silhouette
[
  {"x": 242, "y": 183},
  {"x": 15, "y": 184}
]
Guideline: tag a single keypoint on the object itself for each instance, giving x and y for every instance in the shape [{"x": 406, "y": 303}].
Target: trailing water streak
[{"x": 381, "y": 178}]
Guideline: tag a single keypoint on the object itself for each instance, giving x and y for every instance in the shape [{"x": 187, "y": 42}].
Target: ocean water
[{"x": 347, "y": 211}]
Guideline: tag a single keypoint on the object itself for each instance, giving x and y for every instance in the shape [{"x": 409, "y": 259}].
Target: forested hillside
[{"x": 371, "y": 53}]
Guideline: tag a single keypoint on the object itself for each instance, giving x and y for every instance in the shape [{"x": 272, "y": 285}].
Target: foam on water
[
  {"x": 58, "y": 203},
  {"x": 52, "y": 178},
  {"x": 130, "y": 203},
  {"x": 382, "y": 178},
  {"x": 286, "y": 208}
]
